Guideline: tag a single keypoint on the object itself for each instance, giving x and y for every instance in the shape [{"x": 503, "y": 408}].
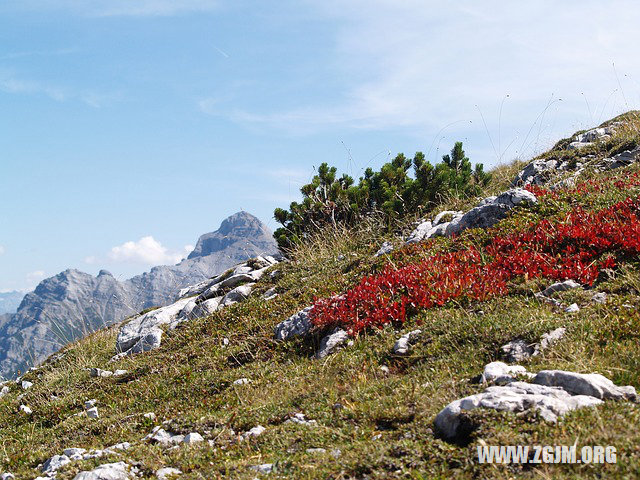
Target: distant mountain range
[
  {"x": 72, "y": 304},
  {"x": 9, "y": 301}
]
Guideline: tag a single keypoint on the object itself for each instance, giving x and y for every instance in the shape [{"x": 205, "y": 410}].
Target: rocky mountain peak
[{"x": 239, "y": 227}]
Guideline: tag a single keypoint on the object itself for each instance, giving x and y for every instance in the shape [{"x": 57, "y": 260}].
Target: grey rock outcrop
[
  {"x": 552, "y": 393},
  {"x": 331, "y": 343},
  {"x": 298, "y": 324},
  {"x": 72, "y": 304},
  {"x": 550, "y": 402},
  {"x": 144, "y": 332},
  {"x": 487, "y": 213}
]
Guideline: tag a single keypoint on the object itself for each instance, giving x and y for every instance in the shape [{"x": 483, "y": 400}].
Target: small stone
[
  {"x": 270, "y": 294},
  {"x": 225, "y": 342},
  {"x": 93, "y": 412},
  {"x": 150, "y": 415},
  {"x": 554, "y": 336},
  {"x": 241, "y": 381},
  {"x": 26, "y": 410},
  {"x": 499, "y": 372},
  {"x": 600, "y": 297},
  {"x": 384, "y": 369},
  {"x": 168, "y": 473},
  {"x": 26, "y": 385},
  {"x": 331, "y": 342},
  {"x": 98, "y": 372},
  {"x": 300, "y": 419},
  {"x": 254, "y": 432},
  {"x": 336, "y": 452},
  {"x": 121, "y": 446},
  {"x": 560, "y": 287},
  {"x": 165, "y": 438},
  {"x": 72, "y": 452},
  {"x": 264, "y": 468},
  {"x": 90, "y": 403},
  {"x": 573, "y": 308},
  {"x": 517, "y": 351},
  {"x": 3, "y": 391},
  {"x": 403, "y": 344},
  {"x": 316, "y": 451},
  {"x": 109, "y": 471},
  {"x": 119, "y": 373},
  {"x": 7, "y": 476},
  {"x": 193, "y": 437},
  {"x": 54, "y": 463},
  {"x": 385, "y": 249}
]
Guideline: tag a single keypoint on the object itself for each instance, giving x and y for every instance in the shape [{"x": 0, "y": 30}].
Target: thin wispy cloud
[
  {"x": 2, "y": 250},
  {"x": 417, "y": 67}
]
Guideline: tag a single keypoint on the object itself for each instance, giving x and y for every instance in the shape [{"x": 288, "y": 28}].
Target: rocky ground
[{"x": 242, "y": 377}]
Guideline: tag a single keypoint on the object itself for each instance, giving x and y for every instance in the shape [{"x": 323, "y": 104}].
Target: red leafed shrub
[{"x": 578, "y": 247}]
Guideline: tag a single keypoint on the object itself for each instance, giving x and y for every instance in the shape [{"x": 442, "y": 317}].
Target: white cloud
[
  {"x": 105, "y": 8},
  {"x": 2, "y": 250},
  {"x": 147, "y": 251},
  {"x": 33, "y": 278},
  {"x": 421, "y": 65}
]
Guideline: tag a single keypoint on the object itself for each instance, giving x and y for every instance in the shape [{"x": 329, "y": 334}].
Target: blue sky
[{"x": 130, "y": 127}]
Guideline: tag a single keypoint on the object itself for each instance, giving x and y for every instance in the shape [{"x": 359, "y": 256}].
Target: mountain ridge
[{"x": 71, "y": 304}]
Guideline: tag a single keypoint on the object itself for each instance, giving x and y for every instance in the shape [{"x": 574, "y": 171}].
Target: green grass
[{"x": 381, "y": 423}]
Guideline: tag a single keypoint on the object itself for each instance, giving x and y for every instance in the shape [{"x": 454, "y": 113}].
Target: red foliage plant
[{"x": 577, "y": 247}]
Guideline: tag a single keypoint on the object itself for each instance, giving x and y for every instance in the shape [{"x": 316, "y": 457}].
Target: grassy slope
[{"x": 384, "y": 425}]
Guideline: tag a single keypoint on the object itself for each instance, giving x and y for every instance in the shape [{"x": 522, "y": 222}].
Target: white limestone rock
[
  {"x": 25, "y": 410},
  {"x": 385, "y": 249},
  {"x": 298, "y": 324},
  {"x": 560, "y": 287},
  {"x": 550, "y": 338},
  {"x": 265, "y": 468},
  {"x": 142, "y": 332},
  {"x": 54, "y": 463},
  {"x": 168, "y": 473},
  {"x": 622, "y": 159},
  {"x": 237, "y": 295},
  {"x": 254, "y": 432},
  {"x": 499, "y": 373},
  {"x": 600, "y": 297},
  {"x": 161, "y": 436},
  {"x": 192, "y": 438},
  {"x": 537, "y": 172},
  {"x": 419, "y": 232},
  {"x": 108, "y": 471},
  {"x": 93, "y": 412},
  {"x": 4, "y": 391},
  {"x": 491, "y": 210},
  {"x": 591, "y": 384},
  {"x": 26, "y": 385},
  {"x": 270, "y": 294},
  {"x": 331, "y": 342},
  {"x": 98, "y": 372},
  {"x": 300, "y": 419},
  {"x": 403, "y": 344},
  {"x": 7, "y": 476},
  {"x": 550, "y": 402},
  {"x": 573, "y": 308},
  {"x": 517, "y": 350}
]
